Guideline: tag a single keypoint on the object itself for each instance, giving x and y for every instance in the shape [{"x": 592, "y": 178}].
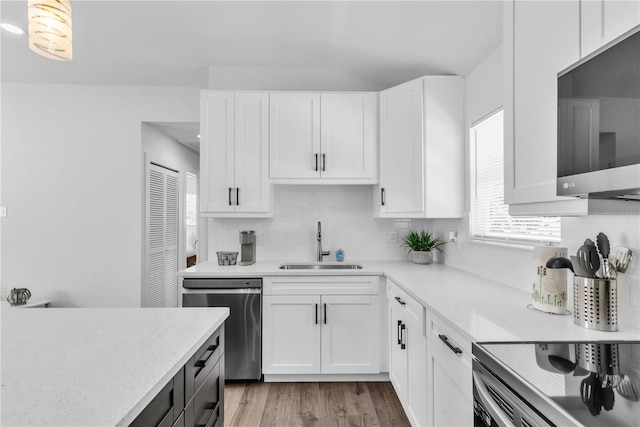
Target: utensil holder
[{"x": 595, "y": 303}]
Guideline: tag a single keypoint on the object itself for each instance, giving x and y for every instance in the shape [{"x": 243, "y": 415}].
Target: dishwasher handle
[{"x": 223, "y": 291}]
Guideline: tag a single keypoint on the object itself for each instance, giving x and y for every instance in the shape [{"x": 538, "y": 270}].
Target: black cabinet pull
[
  {"x": 230, "y": 190},
  {"x": 316, "y": 314},
  {"x": 237, "y": 196},
  {"x": 382, "y": 196},
  {"x": 399, "y": 333},
  {"x": 403, "y": 345},
  {"x": 444, "y": 339},
  {"x": 324, "y": 162},
  {"x": 203, "y": 362},
  {"x": 316, "y": 161},
  {"x": 402, "y": 303},
  {"x": 325, "y": 313}
]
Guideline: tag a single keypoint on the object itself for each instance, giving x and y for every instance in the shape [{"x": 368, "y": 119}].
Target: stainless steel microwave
[{"x": 599, "y": 123}]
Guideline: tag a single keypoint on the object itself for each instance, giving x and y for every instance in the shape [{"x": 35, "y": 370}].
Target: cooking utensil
[
  {"x": 603, "y": 248},
  {"x": 589, "y": 392},
  {"x": 559, "y": 262},
  {"x": 562, "y": 364},
  {"x": 607, "y": 398},
  {"x": 627, "y": 389},
  {"x": 577, "y": 267},
  {"x": 588, "y": 258},
  {"x": 620, "y": 258}
]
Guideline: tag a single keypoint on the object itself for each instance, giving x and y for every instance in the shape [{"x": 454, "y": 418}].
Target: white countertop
[
  {"x": 94, "y": 366},
  {"x": 479, "y": 308}
]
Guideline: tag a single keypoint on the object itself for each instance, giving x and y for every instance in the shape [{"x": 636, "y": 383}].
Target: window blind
[{"x": 489, "y": 216}]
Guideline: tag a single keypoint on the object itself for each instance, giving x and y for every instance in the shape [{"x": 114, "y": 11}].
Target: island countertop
[{"x": 94, "y": 366}]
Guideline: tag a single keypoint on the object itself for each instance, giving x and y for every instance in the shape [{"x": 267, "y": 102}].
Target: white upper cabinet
[
  {"x": 533, "y": 58},
  {"x": 604, "y": 20},
  {"x": 234, "y": 162},
  {"x": 421, "y": 150},
  {"x": 328, "y": 138}
]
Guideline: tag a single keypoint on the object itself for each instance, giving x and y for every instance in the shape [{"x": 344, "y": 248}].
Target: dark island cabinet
[{"x": 195, "y": 395}]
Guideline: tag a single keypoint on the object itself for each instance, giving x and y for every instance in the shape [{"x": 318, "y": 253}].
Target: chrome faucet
[{"x": 321, "y": 253}]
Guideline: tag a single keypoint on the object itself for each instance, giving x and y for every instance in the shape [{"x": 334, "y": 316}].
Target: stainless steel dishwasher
[{"x": 243, "y": 328}]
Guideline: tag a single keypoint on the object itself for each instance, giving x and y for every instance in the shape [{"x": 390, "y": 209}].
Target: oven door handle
[{"x": 492, "y": 407}]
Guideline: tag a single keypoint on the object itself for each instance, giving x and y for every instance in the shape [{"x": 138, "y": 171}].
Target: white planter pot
[{"x": 422, "y": 257}]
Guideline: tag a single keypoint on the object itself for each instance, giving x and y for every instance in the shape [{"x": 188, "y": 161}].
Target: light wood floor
[{"x": 348, "y": 404}]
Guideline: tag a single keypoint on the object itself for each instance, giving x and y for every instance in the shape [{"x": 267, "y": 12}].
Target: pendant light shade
[{"x": 50, "y": 28}]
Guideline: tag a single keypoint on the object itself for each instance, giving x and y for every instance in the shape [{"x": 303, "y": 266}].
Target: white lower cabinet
[
  {"x": 321, "y": 325},
  {"x": 408, "y": 353},
  {"x": 450, "y": 384}
]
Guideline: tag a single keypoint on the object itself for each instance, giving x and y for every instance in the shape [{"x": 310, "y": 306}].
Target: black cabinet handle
[
  {"x": 213, "y": 418},
  {"x": 399, "y": 333},
  {"x": 230, "y": 190},
  {"x": 382, "y": 196},
  {"x": 324, "y": 162},
  {"x": 316, "y": 161},
  {"x": 201, "y": 363},
  {"x": 402, "y": 303},
  {"x": 325, "y": 313},
  {"x": 316, "y": 314},
  {"x": 403, "y": 345},
  {"x": 237, "y": 196},
  {"x": 444, "y": 339}
]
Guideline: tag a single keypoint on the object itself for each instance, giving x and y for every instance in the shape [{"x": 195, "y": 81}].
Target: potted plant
[{"x": 421, "y": 245}]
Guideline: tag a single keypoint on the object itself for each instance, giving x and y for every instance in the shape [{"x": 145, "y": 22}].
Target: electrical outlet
[
  {"x": 3, "y": 211},
  {"x": 258, "y": 239},
  {"x": 3, "y": 293},
  {"x": 391, "y": 237}
]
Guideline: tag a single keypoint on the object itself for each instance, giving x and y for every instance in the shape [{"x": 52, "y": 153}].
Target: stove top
[{"x": 597, "y": 384}]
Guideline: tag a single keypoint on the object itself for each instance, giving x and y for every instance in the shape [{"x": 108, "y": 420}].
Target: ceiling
[
  {"x": 186, "y": 133},
  {"x": 268, "y": 45}
]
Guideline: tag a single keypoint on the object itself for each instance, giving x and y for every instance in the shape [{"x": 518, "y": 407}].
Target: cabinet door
[
  {"x": 217, "y": 151},
  {"x": 252, "y": 188},
  {"x": 416, "y": 347},
  {"x": 348, "y": 136},
  {"x": 401, "y": 150},
  {"x": 532, "y": 60},
  {"x": 291, "y": 334},
  {"x": 451, "y": 391},
  {"x": 350, "y": 334},
  {"x": 601, "y": 21},
  {"x": 398, "y": 360},
  {"x": 294, "y": 135}
]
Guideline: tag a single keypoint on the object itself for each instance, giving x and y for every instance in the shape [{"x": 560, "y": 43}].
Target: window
[{"x": 489, "y": 216}]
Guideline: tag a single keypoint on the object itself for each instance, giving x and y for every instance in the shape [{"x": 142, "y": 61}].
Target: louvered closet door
[{"x": 161, "y": 288}]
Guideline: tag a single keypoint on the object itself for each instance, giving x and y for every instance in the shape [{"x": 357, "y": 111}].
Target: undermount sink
[{"x": 320, "y": 267}]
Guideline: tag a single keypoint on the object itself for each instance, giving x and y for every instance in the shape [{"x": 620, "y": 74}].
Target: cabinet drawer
[
  {"x": 397, "y": 296},
  {"x": 165, "y": 407},
  {"x": 321, "y": 285},
  {"x": 201, "y": 364},
  {"x": 450, "y": 342},
  {"x": 205, "y": 409}
]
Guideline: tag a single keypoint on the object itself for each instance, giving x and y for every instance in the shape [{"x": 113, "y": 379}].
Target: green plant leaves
[{"x": 422, "y": 241}]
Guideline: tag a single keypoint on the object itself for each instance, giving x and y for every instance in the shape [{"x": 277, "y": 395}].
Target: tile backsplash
[{"x": 346, "y": 213}]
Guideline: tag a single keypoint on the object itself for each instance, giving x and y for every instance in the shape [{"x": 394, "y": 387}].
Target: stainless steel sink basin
[{"x": 320, "y": 267}]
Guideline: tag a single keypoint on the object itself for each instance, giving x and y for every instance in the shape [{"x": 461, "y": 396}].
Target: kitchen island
[{"x": 95, "y": 366}]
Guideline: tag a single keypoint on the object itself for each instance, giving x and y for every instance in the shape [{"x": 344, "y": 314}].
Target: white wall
[
  {"x": 512, "y": 265},
  {"x": 72, "y": 180},
  {"x": 347, "y": 219}
]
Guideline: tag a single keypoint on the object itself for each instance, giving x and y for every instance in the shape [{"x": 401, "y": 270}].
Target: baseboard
[{"x": 280, "y": 378}]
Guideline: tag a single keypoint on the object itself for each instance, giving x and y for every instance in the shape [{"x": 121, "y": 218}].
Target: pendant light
[{"x": 50, "y": 28}]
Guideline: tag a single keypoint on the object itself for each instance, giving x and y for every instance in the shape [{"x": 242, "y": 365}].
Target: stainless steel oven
[
  {"x": 243, "y": 328},
  {"x": 556, "y": 384}
]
